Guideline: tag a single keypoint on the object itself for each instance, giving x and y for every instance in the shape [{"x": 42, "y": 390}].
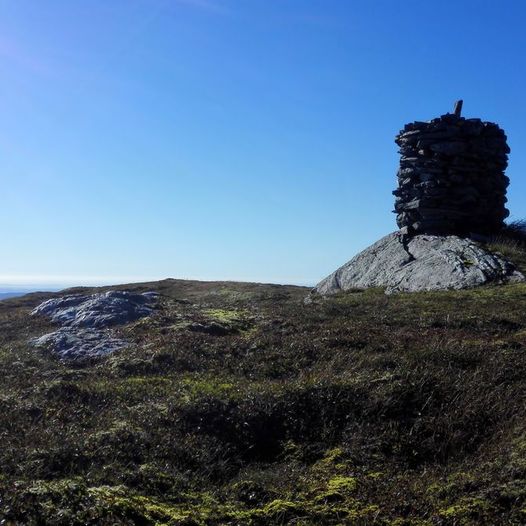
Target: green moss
[
  {"x": 208, "y": 386},
  {"x": 55, "y": 488},
  {"x": 333, "y": 460},
  {"x": 342, "y": 484},
  {"x": 453, "y": 485},
  {"x": 234, "y": 321},
  {"x": 132, "y": 388},
  {"x": 281, "y": 511},
  {"x": 332, "y": 456},
  {"x": 250, "y": 332},
  {"x": 140, "y": 508},
  {"x": 225, "y": 315},
  {"x": 466, "y": 510},
  {"x": 338, "y": 489}
]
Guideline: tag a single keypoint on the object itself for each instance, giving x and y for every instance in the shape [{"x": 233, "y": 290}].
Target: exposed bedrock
[
  {"x": 422, "y": 262},
  {"x": 86, "y": 321}
]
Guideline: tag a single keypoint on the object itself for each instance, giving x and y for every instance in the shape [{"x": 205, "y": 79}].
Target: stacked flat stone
[{"x": 451, "y": 178}]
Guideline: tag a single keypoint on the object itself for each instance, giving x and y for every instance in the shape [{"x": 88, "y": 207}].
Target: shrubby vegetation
[{"x": 240, "y": 405}]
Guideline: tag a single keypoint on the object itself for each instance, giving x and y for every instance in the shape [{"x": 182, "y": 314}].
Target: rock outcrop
[
  {"x": 422, "y": 262},
  {"x": 86, "y": 321},
  {"x": 97, "y": 310},
  {"x": 80, "y": 343},
  {"x": 451, "y": 177}
]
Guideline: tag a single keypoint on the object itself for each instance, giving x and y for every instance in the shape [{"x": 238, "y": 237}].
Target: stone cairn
[{"x": 451, "y": 178}]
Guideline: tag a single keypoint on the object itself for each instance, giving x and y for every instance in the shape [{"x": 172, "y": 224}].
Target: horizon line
[{"x": 56, "y": 282}]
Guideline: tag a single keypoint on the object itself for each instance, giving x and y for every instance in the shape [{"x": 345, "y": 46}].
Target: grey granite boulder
[
  {"x": 80, "y": 343},
  {"x": 97, "y": 310},
  {"x": 422, "y": 262},
  {"x": 86, "y": 321}
]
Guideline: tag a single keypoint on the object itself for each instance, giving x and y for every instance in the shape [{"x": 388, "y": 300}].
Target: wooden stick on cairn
[{"x": 458, "y": 108}]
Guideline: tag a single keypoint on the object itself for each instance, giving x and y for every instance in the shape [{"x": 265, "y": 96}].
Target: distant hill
[
  {"x": 6, "y": 295},
  {"x": 7, "y": 292}
]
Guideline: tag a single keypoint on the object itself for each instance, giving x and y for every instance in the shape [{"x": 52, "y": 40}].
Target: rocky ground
[{"x": 240, "y": 404}]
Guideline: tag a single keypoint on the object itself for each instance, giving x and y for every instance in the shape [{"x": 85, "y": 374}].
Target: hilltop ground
[{"x": 239, "y": 404}]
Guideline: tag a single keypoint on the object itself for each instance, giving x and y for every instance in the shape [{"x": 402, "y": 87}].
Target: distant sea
[
  {"x": 13, "y": 291},
  {"x": 5, "y": 295}
]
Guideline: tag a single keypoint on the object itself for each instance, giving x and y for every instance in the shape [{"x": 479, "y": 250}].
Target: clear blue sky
[{"x": 230, "y": 139}]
